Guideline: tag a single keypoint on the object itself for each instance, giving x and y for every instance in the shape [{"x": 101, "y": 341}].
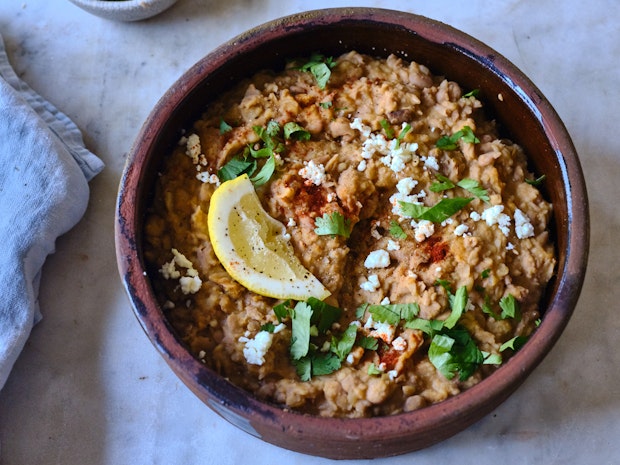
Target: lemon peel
[{"x": 253, "y": 247}]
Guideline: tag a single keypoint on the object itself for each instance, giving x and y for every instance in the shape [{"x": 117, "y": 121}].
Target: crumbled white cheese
[
  {"x": 475, "y": 216},
  {"x": 430, "y": 162},
  {"x": 314, "y": 173},
  {"x": 493, "y": 215},
  {"x": 291, "y": 223},
  {"x": 392, "y": 245},
  {"x": 510, "y": 246},
  {"x": 392, "y": 374},
  {"x": 423, "y": 229},
  {"x": 461, "y": 229},
  {"x": 361, "y": 127},
  {"x": 371, "y": 284},
  {"x": 361, "y": 166},
  {"x": 191, "y": 282},
  {"x": 193, "y": 148},
  {"x": 377, "y": 259},
  {"x": 208, "y": 178},
  {"x": 523, "y": 227},
  {"x": 255, "y": 349},
  {"x": 385, "y": 301},
  {"x": 399, "y": 344},
  {"x": 383, "y": 331}
]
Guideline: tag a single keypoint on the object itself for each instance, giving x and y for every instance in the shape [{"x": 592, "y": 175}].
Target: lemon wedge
[{"x": 252, "y": 246}]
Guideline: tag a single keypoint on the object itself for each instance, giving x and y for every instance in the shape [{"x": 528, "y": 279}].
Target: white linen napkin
[{"x": 44, "y": 174}]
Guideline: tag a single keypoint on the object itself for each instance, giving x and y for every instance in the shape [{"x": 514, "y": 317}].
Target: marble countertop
[{"x": 89, "y": 388}]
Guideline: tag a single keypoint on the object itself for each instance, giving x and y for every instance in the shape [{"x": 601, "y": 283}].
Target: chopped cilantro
[
  {"x": 369, "y": 343},
  {"x": 325, "y": 105},
  {"x": 472, "y": 93},
  {"x": 429, "y": 327},
  {"x": 265, "y": 172},
  {"x": 269, "y": 327},
  {"x": 472, "y": 186},
  {"x": 324, "y": 364},
  {"x": 396, "y": 230},
  {"x": 458, "y": 304},
  {"x": 515, "y": 343},
  {"x": 439, "y": 212},
  {"x": 303, "y": 367},
  {"x": 332, "y": 224},
  {"x": 293, "y": 130},
  {"x": 236, "y": 167},
  {"x": 485, "y": 273},
  {"x": 536, "y": 182},
  {"x": 491, "y": 359},
  {"x": 373, "y": 370},
  {"x": 450, "y": 142},
  {"x": 224, "y": 126},
  {"x": 342, "y": 345},
  {"x": 454, "y": 351},
  {"x": 510, "y": 307},
  {"x": 320, "y": 67},
  {"x": 300, "y": 340},
  {"x": 282, "y": 310},
  {"x": 393, "y": 313},
  {"x": 443, "y": 185},
  {"x": 389, "y": 131},
  {"x": 402, "y": 134},
  {"x": 488, "y": 309},
  {"x": 324, "y": 315}
]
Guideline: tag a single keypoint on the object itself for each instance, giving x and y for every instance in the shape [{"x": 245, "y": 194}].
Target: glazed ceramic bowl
[
  {"x": 524, "y": 115},
  {"x": 124, "y": 10}
]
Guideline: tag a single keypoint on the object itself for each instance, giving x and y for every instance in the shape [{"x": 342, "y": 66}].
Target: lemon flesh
[{"x": 253, "y": 248}]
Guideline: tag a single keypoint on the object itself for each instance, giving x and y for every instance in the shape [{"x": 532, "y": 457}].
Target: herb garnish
[
  {"x": 472, "y": 93},
  {"x": 320, "y": 67},
  {"x": 332, "y": 224},
  {"x": 470, "y": 185},
  {"x": 396, "y": 230},
  {"x": 439, "y": 212},
  {"x": 224, "y": 126},
  {"x": 272, "y": 138},
  {"x": 538, "y": 181},
  {"x": 389, "y": 132},
  {"x": 450, "y": 142}
]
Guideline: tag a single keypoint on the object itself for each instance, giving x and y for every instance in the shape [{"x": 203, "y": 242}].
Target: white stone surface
[{"x": 89, "y": 388}]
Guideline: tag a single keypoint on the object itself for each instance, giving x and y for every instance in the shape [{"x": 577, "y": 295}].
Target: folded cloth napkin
[{"x": 44, "y": 174}]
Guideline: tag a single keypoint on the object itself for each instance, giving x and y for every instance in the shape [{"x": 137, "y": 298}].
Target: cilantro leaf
[
  {"x": 402, "y": 134},
  {"x": 488, "y": 309},
  {"x": 538, "y": 181},
  {"x": 439, "y": 212},
  {"x": 341, "y": 346},
  {"x": 491, "y": 359},
  {"x": 303, "y": 367},
  {"x": 320, "y": 67},
  {"x": 444, "y": 185},
  {"x": 472, "y": 186},
  {"x": 369, "y": 343},
  {"x": 396, "y": 230},
  {"x": 325, "y": 105},
  {"x": 269, "y": 327},
  {"x": 510, "y": 307},
  {"x": 393, "y": 313},
  {"x": 300, "y": 340},
  {"x": 265, "y": 172},
  {"x": 282, "y": 310},
  {"x": 458, "y": 304},
  {"x": 324, "y": 364},
  {"x": 293, "y": 130},
  {"x": 323, "y": 315},
  {"x": 430, "y": 327},
  {"x": 450, "y": 142},
  {"x": 236, "y": 167},
  {"x": 515, "y": 343},
  {"x": 332, "y": 224},
  {"x": 373, "y": 370},
  {"x": 472, "y": 93},
  {"x": 389, "y": 131},
  {"x": 224, "y": 126},
  {"x": 454, "y": 351}
]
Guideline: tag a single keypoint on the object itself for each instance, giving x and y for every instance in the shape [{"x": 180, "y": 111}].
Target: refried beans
[{"x": 448, "y": 250}]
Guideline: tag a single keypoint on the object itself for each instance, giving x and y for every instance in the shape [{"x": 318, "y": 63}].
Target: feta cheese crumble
[
  {"x": 256, "y": 348},
  {"x": 493, "y": 215},
  {"x": 191, "y": 282},
  {"x": 313, "y": 173},
  {"x": 377, "y": 259},
  {"x": 523, "y": 227},
  {"x": 371, "y": 284}
]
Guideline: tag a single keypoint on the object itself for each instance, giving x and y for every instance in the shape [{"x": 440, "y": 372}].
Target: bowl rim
[{"x": 235, "y": 404}]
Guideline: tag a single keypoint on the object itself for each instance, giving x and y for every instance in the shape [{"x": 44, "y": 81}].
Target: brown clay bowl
[{"x": 525, "y": 116}]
